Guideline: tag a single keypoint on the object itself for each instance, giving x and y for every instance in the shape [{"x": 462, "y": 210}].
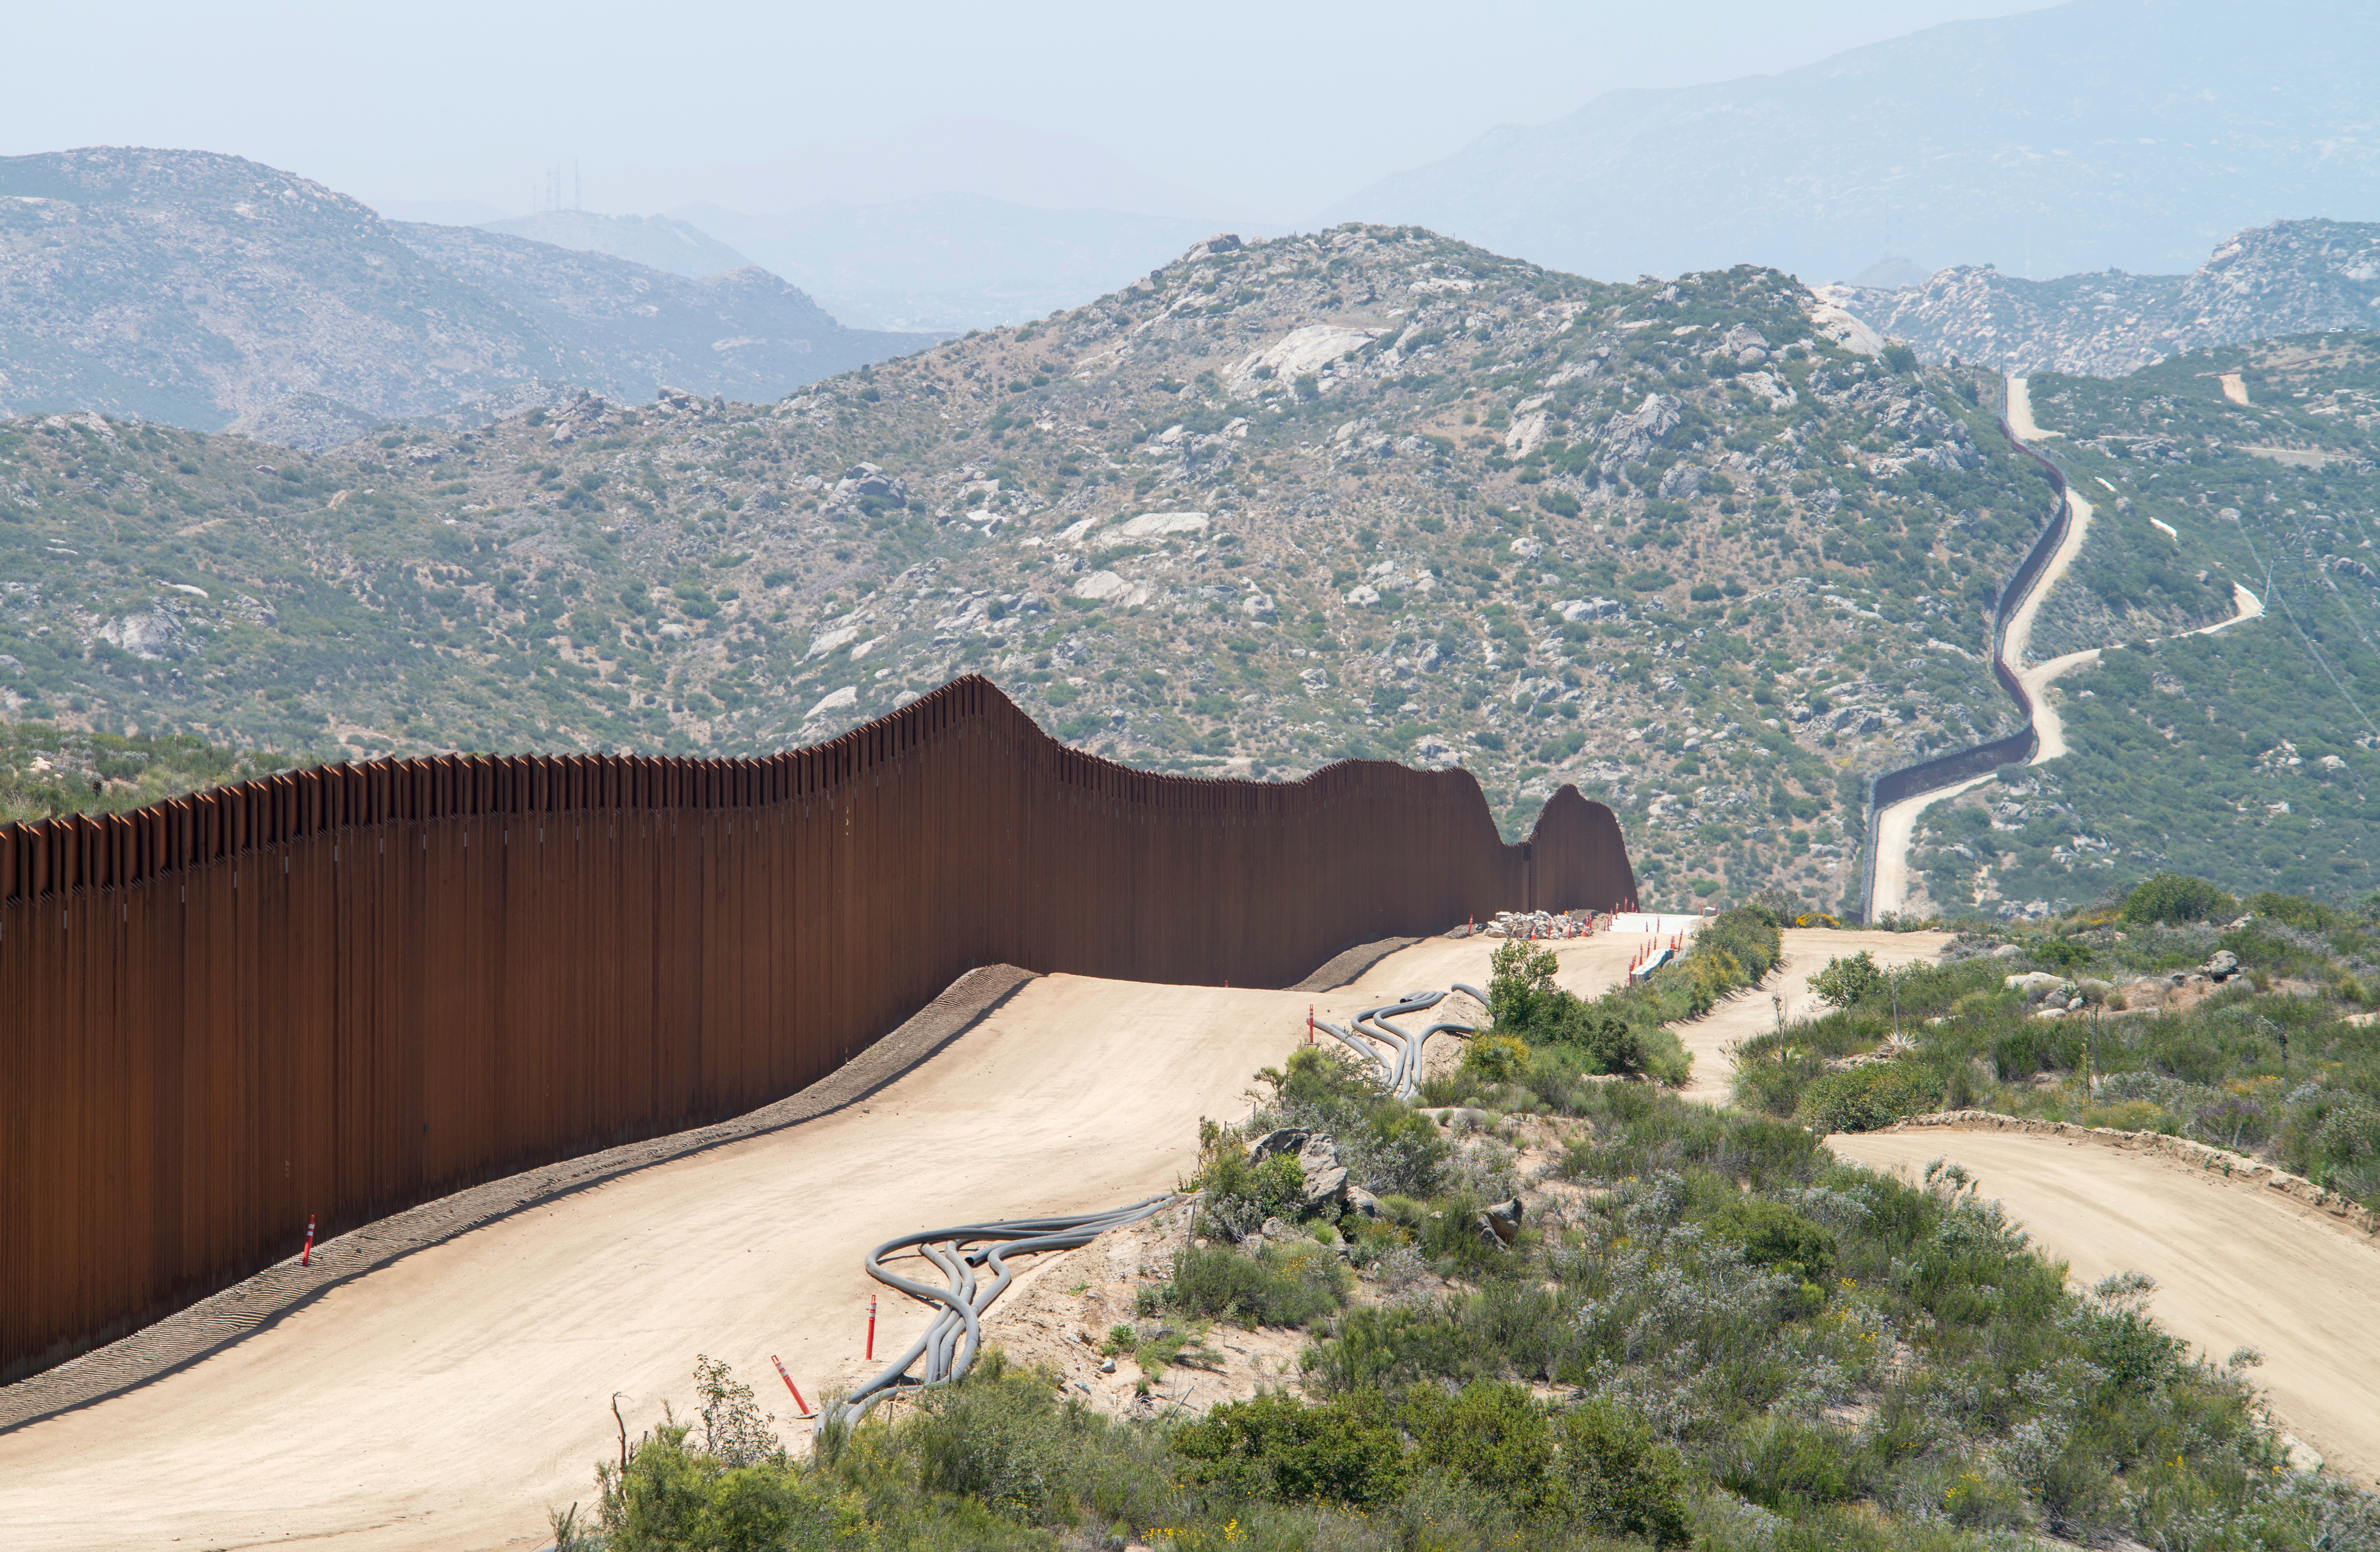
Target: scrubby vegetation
[
  {"x": 2245, "y": 757},
  {"x": 1702, "y": 1331},
  {"x": 2273, "y": 1057},
  {"x": 48, "y": 771},
  {"x": 1546, "y": 1041}
]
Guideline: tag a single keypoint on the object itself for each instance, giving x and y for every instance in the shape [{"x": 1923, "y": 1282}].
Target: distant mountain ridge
[
  {"x": 2106, "y": 132},
  {"x": 952, "y": 262},
  {"x": 2292, "y": 277},
  {"x": 205, "y": 290},
  {"x": 635, "y": 330},
  {"x": 658, "y": 242}
]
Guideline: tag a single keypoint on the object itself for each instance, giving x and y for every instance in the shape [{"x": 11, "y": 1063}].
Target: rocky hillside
[
  {"x": 2289, "y": 278},
  {"x": 1375, "y": 493},
  {"x": 2250, "y": 755},
  {"x": 206, "y": 291}
]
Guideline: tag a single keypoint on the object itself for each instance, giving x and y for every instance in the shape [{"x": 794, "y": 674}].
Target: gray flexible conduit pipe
[
  {"x": 1388, "y": 1035},
  {"x": 1401, "y": 1064},
  {"x": 951, "y": 1343}
]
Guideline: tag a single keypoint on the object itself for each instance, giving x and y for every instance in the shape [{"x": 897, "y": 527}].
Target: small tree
[
  {"x": 1521, "y": 988},
  {"x": 1845, "y": 982},
  {"x": 2176, "y": 897}
]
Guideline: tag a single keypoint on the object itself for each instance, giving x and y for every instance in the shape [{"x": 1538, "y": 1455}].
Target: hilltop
[
  {"x": 1371, "y": 493},
  {"x": 655, "y": 241},
  {"x": 2291, "y": 277},
  {"x": 210, "y": 292}
]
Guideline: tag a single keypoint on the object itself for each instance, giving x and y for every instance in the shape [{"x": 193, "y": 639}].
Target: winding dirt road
[
  {"x": 1786, "y": 995},
  {"x": 1895, "y": 824},
  {"x": 450, "y": 1399},
  {"x": 2236, "y": 1265}
]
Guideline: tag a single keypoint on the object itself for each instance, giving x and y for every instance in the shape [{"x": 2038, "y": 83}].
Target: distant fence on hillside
[
  {"x": 1977, "y": 760},
  {"x": 346, "y": 990}
]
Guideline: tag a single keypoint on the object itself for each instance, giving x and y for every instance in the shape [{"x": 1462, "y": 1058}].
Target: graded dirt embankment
[
  {"x": 448, "y": 1399},
  {"x": 2236, "y": 1263},
  {"x": 2242, "y": 1257}
]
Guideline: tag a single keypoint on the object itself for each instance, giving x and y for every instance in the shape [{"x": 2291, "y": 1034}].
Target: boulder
[
  {"x": 1627, "y": 437},
  {"x": 1362, "y": 1203},
  {"x": 867, "y": 479},
  {"x": 2006, "y": 950},
  {"x": 1289, "y": 1139},
  {"x": 2223, "y": 965},
  {"x": 2035, "y": 984},
  {"x": 1502, "y": 1222},
  {"x": 1318, "y": 1160}
]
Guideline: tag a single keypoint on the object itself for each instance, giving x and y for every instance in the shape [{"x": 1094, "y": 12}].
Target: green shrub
[
  {"x": 2345, "y": 1152},
  {"x": 1775, "y": 1235},
  {"x": 2302, "y": 911},
  {"x": 1787, "y": 1463},
  {"x": 1291, "y": 1284},
  {"x": 1276, "y": 1446},
  {"x": 996, "y": 1439},
  {"x": 1237, "y": 1196},
  {"x": 2176, "y": 897},
  {"x": 1845, "y": 982},
  {"x": 675, "y": 1499},
  {"x": 1494, "y": 1437},
  {"x": 1495, "y": 1058},
  {"x": 1385, "y": 1148},
  {"x": 1865, "y": 1099},
  {"x": 1618, "y": 1480}
]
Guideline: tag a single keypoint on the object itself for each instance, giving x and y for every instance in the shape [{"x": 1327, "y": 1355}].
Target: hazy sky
[{"x": 1251, "y": 110}]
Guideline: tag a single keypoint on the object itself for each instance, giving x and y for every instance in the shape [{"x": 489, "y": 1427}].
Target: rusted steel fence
[{"x": 346, "y": 990}]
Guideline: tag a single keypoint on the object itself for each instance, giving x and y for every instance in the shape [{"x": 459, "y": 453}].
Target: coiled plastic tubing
[
  {"x": 1399, "y": 1064},
  {"x": 951, "y": 1343}
]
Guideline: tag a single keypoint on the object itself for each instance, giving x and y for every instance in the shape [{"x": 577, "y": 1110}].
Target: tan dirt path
[
  {"x": 1754, "y": 1012},
  {"x": 2236, "y": 1265},
  {"x": 449, "y": 1399}
]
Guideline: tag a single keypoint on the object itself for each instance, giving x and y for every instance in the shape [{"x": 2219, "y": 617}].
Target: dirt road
[
  {"x": 1896, "y": 825},
  {"x": 2020, "y": 411},
  {"x": 448, "y": 1400},
  {"x": 2236, "y": 1265},
  {"x": 1757, "y": 1011}
]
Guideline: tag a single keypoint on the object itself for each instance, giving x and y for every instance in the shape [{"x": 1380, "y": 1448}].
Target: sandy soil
[
  {"x": 448, "y": 1400},
  {"x": 2020, "y": 411},
  {"x": 1756, "y": 1012},
  {"x": 1895, "y": 827},
  {"x": 2233, "y": 389},
  {"x": 2246, "y": 606},
  {"x": 2236, "y": 1265},
  {"x": 1897, "y": 822}
]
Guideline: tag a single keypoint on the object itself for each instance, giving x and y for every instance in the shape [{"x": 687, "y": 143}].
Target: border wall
[
  {"x": 342, "y": 991},
  {"x": 1978, "y": 759}
]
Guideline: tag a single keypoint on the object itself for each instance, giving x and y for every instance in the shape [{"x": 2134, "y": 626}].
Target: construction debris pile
[{"x": 1541, "y": 924}]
